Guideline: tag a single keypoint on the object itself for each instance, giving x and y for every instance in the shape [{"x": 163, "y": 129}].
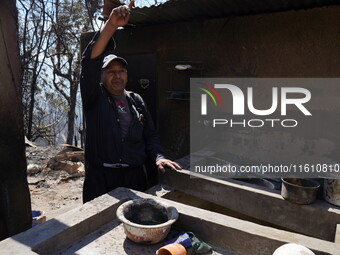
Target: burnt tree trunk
[
  {"x": 15, "y": 204},
  {"x": 72, "y": 112}
]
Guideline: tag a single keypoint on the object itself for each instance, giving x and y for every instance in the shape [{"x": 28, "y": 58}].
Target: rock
[
  {"x": 74, "y": 156},
  {"x": 69, "y": 159},
  {"x": 73, "y": 167},
  {"x": 34, "y": 180},
  {"x": 43, "y": 184},
  {"x": 65, "y": 165},
  {"x": 33, "y": 169}
]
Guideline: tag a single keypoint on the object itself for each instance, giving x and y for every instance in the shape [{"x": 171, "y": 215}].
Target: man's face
[{"x": 114, "y": 77}]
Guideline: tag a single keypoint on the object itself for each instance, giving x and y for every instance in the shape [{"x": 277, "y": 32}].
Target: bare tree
[
  {"x": 34, "y": 42},
  {"x": 70, "y": 21},
  {"x": 92, "y": 7},
  {"x": 49, "y": 46}
]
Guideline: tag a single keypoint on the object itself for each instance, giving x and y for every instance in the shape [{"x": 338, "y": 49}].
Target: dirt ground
[
  {"x": 52, "y": 191},
  {"x": 56, "y": 191}
]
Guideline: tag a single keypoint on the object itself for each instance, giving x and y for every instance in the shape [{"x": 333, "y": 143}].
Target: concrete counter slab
[
  {"x": 94, "y": 229},
  {"x": 111, "y": 239},
  {"x": 319, "y": 219}
]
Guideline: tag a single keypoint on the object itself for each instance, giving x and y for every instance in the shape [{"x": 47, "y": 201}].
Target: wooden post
[{"x": 15, "y": 204}]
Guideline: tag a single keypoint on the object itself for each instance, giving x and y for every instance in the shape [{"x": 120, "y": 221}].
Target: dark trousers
[{"x": 100, "y": 180}]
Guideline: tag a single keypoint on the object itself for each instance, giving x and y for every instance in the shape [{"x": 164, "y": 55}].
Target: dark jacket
[{"x": 104, "y": 142}]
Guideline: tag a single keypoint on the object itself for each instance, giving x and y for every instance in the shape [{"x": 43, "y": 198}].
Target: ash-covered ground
[{"x": 53, "y": 190}]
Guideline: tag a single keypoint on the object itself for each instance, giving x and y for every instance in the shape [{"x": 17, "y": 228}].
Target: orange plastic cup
[{"x": 172, "y": 249}]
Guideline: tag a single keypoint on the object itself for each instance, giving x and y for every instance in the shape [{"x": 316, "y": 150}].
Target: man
[{"x": 120, "y": 134}]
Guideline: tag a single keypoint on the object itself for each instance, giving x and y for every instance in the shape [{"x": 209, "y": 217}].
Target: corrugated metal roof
[{"x": 183, "y": 10}]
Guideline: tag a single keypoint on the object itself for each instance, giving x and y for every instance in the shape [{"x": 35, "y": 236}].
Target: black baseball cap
[{"x": 107, "y": 60}]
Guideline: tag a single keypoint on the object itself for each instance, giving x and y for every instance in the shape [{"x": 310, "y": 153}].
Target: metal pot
[
  {"x": 299, "y": 191},
  {"x": 331, "y": 191}
]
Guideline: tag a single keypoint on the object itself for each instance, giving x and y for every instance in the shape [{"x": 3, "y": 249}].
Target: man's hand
[
  {"x": 167, "y": 163},
  {"x": 120, "y": 15}
]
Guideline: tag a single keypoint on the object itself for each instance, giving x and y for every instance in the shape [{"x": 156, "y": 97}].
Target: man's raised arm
[{"x": 119, "y": 17}]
